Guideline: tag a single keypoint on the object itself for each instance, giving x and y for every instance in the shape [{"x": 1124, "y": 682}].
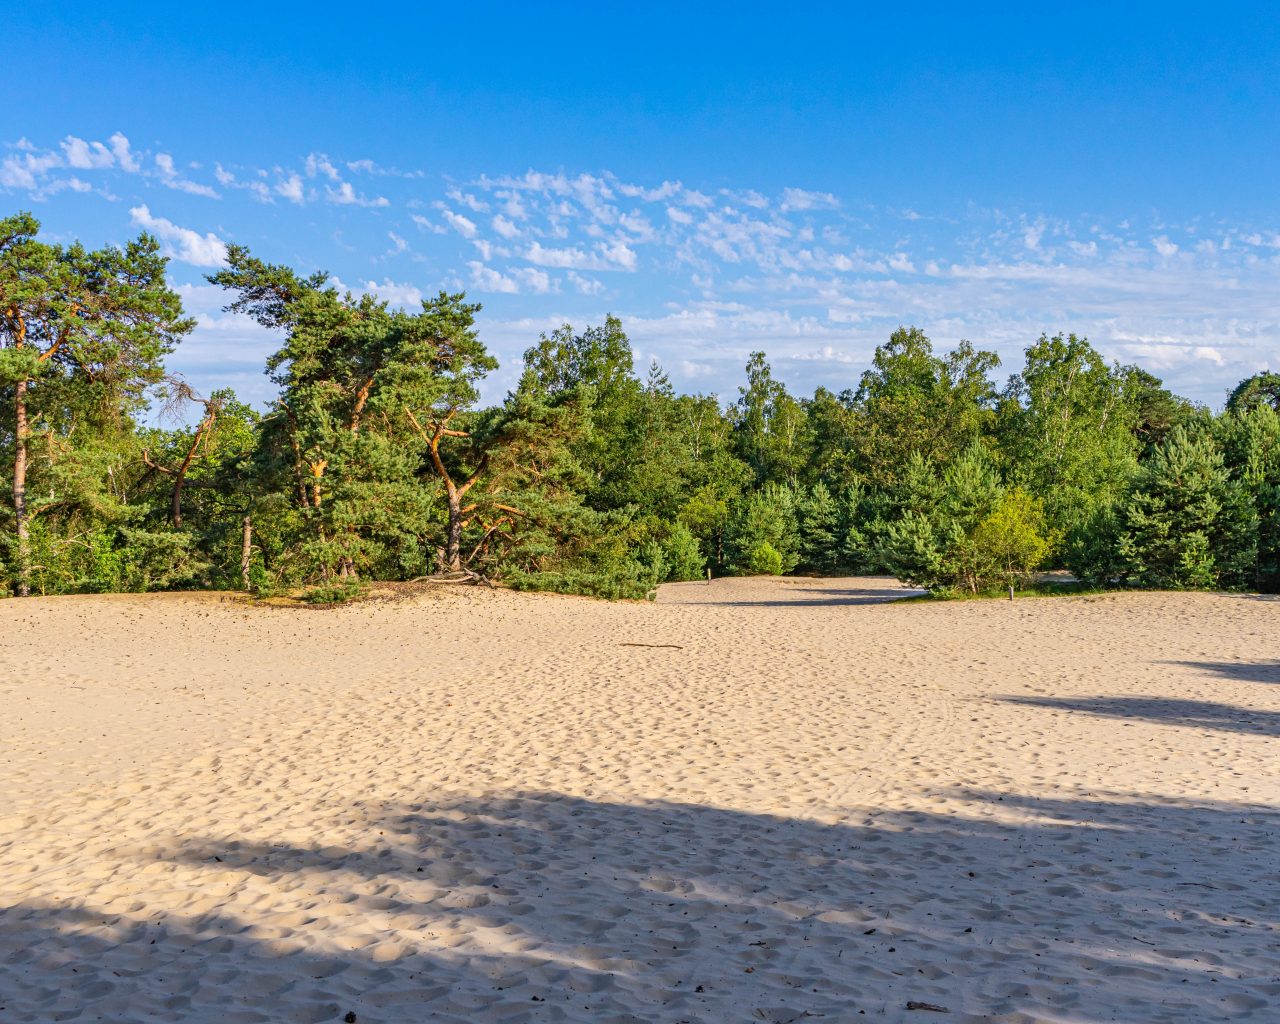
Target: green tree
[
  {"x": 1011, "y": 542},
  {"x": 767, "y": 516},
  {"x": 1185, "y": 524},
  {"x": 1260, "y": 389},
  {"x": 913, "y": 401},
  {"x": 1157, "y": 410},
  {"x": 819, "y": 523},
  {"x": 79, "y": 328},
  {"x": 934, "y": 543},
  {"x": 1068, "y": 430},
  {"x": 369, "y": 396},
  {"x": 770, "y": 426},
  {"x": 1250, "y": 442}
]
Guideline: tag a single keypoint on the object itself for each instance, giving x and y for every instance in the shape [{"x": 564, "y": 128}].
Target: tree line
[{"x": 377, "y": 461}]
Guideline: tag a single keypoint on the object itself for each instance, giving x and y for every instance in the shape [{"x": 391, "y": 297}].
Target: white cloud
[
  {"x": 798, "y": 199},
  {"x": 535, "y": 280},
  {"x": 469, "y": 201},
  {"x": 291, "y": 188},
  {"x": 564, "y": 258},
  {"x": 585, "y": 285},
  {"x": 318, "y": 164},
  {"x": 465, "y": 227},
  {"x": 505, "y": 227},
  {"x": 26, "y": 168},
  {"x": 650, "y": 195},
  {"x": 124, "y": 154},
  {"x": 403, "y": 296},
  {"x": 86, "y": 156},
  {"x": 184, "y": 244},
  {"x": 170, "y": 177},
  {"x": 486, "y": 279},
  {"x": 1163, "y": 246},
  {"x": 428, "y": 225},
  {"x": 614, "y": 255},
  {"x": 619, "y": 253},
  {"x": 346, "y": 195}
]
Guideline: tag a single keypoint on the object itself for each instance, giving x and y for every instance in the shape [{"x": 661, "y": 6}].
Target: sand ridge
[{"x": 755, "y": 800}]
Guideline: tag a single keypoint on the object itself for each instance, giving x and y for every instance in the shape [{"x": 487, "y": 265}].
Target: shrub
[
  {"x": 683, "y": 554},
  {"x": 1185, "y": 524},
  {"x": 764, "y": 560},
  {"x": 766, "y": 517},
  {"x": 934, "y": 541},
  {"x": 1011, "y": 542}
]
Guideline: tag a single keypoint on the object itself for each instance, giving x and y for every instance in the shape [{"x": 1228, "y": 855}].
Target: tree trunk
[
  {"x": 180, "y": 478},
  {"x": 175, "y": 506},
  {"x": 246, "y": 550},
  {"x": 453, "y": 546},
  {"x": 20, "y": 490}
]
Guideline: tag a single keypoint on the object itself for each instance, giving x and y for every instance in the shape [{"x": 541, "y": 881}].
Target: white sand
[{"x": 487, "y": 807}]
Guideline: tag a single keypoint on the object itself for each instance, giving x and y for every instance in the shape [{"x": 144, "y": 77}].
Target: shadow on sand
[
  {"x": 544, "y": 907},
  {"x": 1198, "y": 714},
  {"x": 805, "y": 597},
  {"x": 1246, "y": 671}
]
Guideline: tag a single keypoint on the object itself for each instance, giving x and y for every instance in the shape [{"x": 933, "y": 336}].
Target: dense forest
[{"x": 376, "y": 460}]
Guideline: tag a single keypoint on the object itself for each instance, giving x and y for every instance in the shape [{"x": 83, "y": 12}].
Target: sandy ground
[{"x": 771, "y": 800}]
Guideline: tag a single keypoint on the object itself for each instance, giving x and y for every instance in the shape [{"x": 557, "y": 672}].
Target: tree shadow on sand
[
  {"x": 805, "y": 597},
  {"x": 1198, "y": 714},
  {"x": 1245, "y": 671},
  {"x": 544, "y": 907}
]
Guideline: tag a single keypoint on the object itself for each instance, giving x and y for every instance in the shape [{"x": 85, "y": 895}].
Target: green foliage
[
  {"x": 683, "y": 554},
  {"x": 336, "y": 592},
  {"x": 83, "y": 334},
  {"x": 1011, "y": 542},
  {"x": 763, "y": 560},
  {"x": 819, "y": 522},
  {"x": 1250, "y": 442},
  {"x": 914, "y": 402},
  {"x": 377, "y": 461},
  {"x": 1068, "y": 427},
  {"x": 1185, "y": 523},
  {"x": 1260, "y": 389},
  {"x": 768, "y": 517},
  {"x": 946, "y": 536},
  {"x": 770, "y": 429}
]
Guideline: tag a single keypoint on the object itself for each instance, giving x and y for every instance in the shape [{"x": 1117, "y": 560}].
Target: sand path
[{"x": 492, "y": 807}]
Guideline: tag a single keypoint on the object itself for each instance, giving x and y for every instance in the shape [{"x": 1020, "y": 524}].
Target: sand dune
[{"x": 757, "y": 800}]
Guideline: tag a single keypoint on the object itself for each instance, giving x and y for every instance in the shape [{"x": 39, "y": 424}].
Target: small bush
[
  {"x": 764, "y": 560},
  {"x": 332, "y": 593},
  {"x": 1011, "y": 542},
  {"x": 767, "y": 517},
  {"x": 683, "y": 554}
]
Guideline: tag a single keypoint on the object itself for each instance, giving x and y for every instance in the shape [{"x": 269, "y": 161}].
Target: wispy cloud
[
  {"x": 170, "y": 178},
  {"x": 705, "y": 274}
]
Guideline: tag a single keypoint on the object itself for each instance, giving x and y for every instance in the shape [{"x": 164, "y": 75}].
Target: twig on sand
[
  {"x": 677, "y": 647},
  {"x": 931, "y": 1007}
]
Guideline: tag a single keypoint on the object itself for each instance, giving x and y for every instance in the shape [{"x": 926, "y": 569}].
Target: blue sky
[{"x": 797, "y": 178}]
